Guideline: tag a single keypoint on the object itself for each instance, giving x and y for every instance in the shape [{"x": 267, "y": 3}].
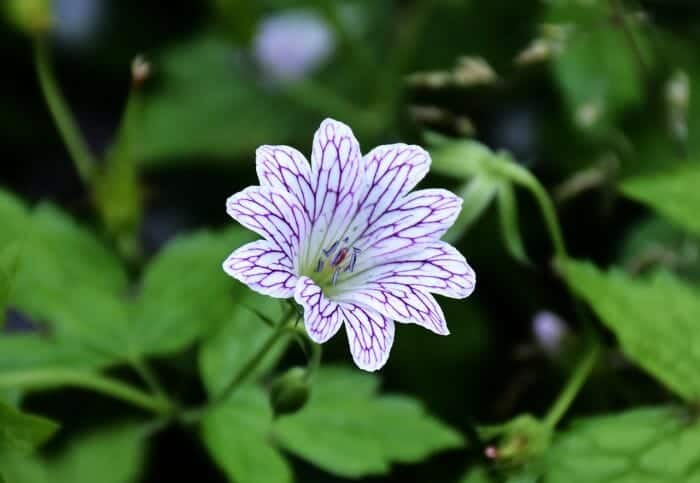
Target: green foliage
[
  {"x": 23, "y": 432},
  {"x": 476, "y": 475},
  {"x": 655, "y": 320},
  {"x": 673, "y": 194},
  {"x": 649, "y": 445},
  {"x": 237, "y": 436},
  {"x": 204, "y": 89},
  {"x": 349, "y": 431},
  {"x": 228, "y": 347},
  {"x": 597, "y": 68},
  {"x": 109, "y": 455}
]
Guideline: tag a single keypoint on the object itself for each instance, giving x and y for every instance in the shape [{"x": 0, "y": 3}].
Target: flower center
[{"x": 333, "y": 261}]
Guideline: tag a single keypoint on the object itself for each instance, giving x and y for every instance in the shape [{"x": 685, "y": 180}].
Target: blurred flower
[
  {"x": 76, "y": 21},
  {"x": 349, "y": 241},
  {"x": 549, "y": 331},
  {"x": 289, "y": 46}
]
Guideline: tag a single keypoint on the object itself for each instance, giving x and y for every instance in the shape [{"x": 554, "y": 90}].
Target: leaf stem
[
  {"x": 50, "y": 378},
  {"x": 254, "y": 361},
  {"x": 66, "y": 125},
  {"x": 149, "y": 377},
  {"x": 573, "y": 386}
]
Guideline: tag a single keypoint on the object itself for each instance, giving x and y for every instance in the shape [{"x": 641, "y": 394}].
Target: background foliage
[{"x": 570, "y": 128}]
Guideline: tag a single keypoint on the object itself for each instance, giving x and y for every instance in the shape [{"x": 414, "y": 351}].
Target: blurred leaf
[
  {"x": 597, "y": 69},
  {"x": 20, "y": 352},
  {"x": 476, "y": 475},
  {"x": 649, "y": 445},
  {"x": 204, "y": 89},
  {"x": 23, "y": 432},
  {"x": 237, "y": 435},
  {"x": 184, "y": 291},
  {"x": 673, "y": 194},
  {"x": 477, "y": 195},
  {"x": 349, "y": 431},
  {"x": 235, "y": 341},
  {"x": 510, "y": 229},
  {"x": 654, "y": 319},
  {"x": 112, "y": 455}
]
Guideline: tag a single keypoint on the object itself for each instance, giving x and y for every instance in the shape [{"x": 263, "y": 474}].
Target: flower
[
  {"x": 290, "y": 45},
  {"x": 347, "y": 238},
  {"x": 550, "y": 331}
]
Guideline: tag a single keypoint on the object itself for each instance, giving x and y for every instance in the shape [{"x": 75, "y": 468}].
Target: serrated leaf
[
  {"x": 673, "y": 194},
  {"x": 184, "y": 291},
  {"x": 203, "y": 87},
  {"x": 655, "y": 320},
  {"x": 648, "y": 445},
  {"x": 236, "y": 434},
  {"x": 23, "y": 432},
  {"x": 234, "y": 342},
  {"x": 351, "y": 432}
]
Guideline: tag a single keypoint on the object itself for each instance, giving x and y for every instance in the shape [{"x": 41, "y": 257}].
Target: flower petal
[
  {"x": 286, "y": 169},
  {"x": 420, "y": 217},
  {"x": 273, "y": 214},
  {"x": 336, "y": 180},
  {"x": 435, "y": 267},
  {"x": 391, "y": 171},
  {"x": 370, "y": 336},
  {"x": 322, "y": 317},
  {"x": 400, "y": 302},
  {"x": 264, "y": 268}
]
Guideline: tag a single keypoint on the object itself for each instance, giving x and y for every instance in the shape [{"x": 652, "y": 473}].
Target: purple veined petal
[
  {"x": 435, "y": 267},
  {"x": 273, "y": 214},
  {"x": 420, "y": 217},
  {"x": 263, "y": 267},
  {"x": 400, "y": 302},
  {"x": 336, "y": 180},
  {"x": 391, "y": 171},
  {"x": 322, "y": 317},
  {"x": 370, "y": 335},
  {"x": 286, "y": 169}
]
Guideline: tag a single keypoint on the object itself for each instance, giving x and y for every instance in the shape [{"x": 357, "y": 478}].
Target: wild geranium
[{"x": 347, "y": 238}]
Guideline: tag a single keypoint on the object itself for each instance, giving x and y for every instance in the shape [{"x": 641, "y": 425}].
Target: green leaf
[
  {"x": 233, "y": 343},
  {"x": 655, "y": 320},
  {"x": 477, "y": 195},
  {"x": 184, "y": 292},
  {"x": 597, "y": 69},
  {"x": 110, "y": 455},
  {"x": 673, "y": 194},
  {"x": 23, "y": 432},
  {"x": 202, "y": 89},
  {"x": 237, "y": 436},
  {"x": 349, "y": 431},
  {"x": 649, "y": 445},
  {"x": 510, "y": 229},
  {"x": 476, "y": 475}
]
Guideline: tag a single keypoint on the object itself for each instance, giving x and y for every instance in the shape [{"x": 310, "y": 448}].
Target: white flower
[{"x": 347, "y": 238}]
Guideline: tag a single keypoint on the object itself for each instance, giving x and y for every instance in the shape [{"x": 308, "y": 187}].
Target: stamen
[
  {"x": 319, "y": 266},
  {"x": 332, "y": 248},
  {"x": 334, "y": 279}
]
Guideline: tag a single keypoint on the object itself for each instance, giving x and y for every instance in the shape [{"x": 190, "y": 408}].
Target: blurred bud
[
  {"x": 677, "y": 94},
  {"x": 473, "y": 71},
  {"x": 521, "y": 440},
  {"x": 464, "y": 126},
  {"x": 539, "y": 50},
  {"x": 289, "y": 46},
  {"x": 31, "y": 16},
  {"x": 429, "y": 114},
  {"x": 290, "y": 391},
  {"x": 436, "y": 79},
  {"x": 550, "y": 332},
  {"x": 140, "y": 71},
  {"x": 588, "y": 113}
]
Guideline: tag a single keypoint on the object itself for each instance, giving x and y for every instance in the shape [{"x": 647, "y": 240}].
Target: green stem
[
  {"x": 254, "y": 361},
  {"x": 50, "y": 378},
  {"x": 573, "y": 386},
  {"x": 67, "y": 128},
  {"x": 149, "y": 377}
]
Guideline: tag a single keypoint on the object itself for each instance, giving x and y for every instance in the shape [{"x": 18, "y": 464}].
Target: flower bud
[
  {"x": 30, "y": 16},
  {"x": 678, "y": 91},
  {"x": 140, "y": 71},
  {"x": 290, "y": 391},
  {"x": 550, "y": 331}
]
